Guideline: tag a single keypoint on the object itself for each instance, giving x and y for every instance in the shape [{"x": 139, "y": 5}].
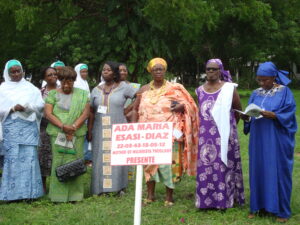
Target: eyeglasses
[{"x": 212, "y": 69}]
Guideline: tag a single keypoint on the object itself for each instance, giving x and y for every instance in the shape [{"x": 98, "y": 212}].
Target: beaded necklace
[{"x": 155, "y": 93}]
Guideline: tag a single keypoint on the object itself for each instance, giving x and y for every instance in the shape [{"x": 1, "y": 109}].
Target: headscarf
[
  {"x": 81, "y": 83},
  {"x": 225, "y": 73},
  {"x": 156, "y": 61},
  {"x": 270, "y": 70},
  {"x": 21, "y": 92},
  {"x": 54, "y": 65},
  {"x": 58, "y": 63},
  {"x": 9, "y": 64}
]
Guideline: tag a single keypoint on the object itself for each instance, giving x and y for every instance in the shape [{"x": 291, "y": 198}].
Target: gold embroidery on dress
[
  {"x": 106, "y": 170},
  {"x": 106, "y": 121},
  {"x": 106, "y": 133},
  {"x": 106, "y": 158},
  {"x": 107, "y": 183},
  {"x": 106, "y": 145}
]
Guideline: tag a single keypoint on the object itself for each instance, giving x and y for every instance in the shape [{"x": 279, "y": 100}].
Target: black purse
[
  {"x": 67, "y": 171},
  {"x": 70, "y": 170}
]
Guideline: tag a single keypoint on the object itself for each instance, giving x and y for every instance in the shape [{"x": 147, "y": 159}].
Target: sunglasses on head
[{"x": 212, "y": 69}]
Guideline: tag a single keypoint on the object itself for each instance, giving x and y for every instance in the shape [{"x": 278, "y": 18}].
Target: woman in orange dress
[{"x": 162, "y": 101}]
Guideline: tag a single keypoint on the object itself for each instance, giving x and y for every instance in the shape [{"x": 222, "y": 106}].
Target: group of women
[{"x": 205, "y": 145}]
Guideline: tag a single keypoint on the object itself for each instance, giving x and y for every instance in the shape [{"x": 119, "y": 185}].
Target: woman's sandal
[
  {"x": 168, "y": 203},
  {"x": 281, "y": 220},
  {"x": 147, "y": 201},
  {"x": 251, "y": 215}
]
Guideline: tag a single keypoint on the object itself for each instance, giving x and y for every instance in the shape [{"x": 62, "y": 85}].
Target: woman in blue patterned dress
[{"x": 20, "y": 115}]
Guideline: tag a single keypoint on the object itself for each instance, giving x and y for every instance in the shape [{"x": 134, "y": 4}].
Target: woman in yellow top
[{"x": 162, "y": 101}]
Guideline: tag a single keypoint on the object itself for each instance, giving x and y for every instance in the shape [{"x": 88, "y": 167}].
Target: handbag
[{"x": 70, "y": 170}]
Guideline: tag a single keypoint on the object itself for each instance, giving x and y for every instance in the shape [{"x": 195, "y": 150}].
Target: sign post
[
  {"x": 138, "y": 195},
  {"x": 141, "y": 144}
]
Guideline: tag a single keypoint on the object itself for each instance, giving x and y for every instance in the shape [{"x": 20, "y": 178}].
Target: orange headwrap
[{"x": 156, "y": 61}]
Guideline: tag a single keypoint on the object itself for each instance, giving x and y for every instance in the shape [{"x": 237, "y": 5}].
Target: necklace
[
  {"x": 155, "y": 93},
  {"x": 107, "y": 93}
]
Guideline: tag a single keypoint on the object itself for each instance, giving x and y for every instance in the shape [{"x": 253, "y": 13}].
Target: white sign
[{"x": 142, "y": 144}]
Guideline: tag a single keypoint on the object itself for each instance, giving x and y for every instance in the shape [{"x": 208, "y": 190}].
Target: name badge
[
  {"x": 177, "y": 133},
  {"x": 102, "y": 109}
]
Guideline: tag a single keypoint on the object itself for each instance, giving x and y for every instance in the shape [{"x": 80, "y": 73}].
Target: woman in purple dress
[{"x": 219, "y": 171}]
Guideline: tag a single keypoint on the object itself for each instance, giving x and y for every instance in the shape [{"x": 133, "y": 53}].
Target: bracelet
[
  {"x": 73, "y": 125},
  {"x": 62, "y": 127}
]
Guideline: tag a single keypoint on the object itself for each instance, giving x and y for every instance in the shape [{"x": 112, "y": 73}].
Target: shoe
[
  {"x": 168, "y": 203},
  {"x": 251, "y": 215},
  {"x": 281, "y": 220},
  {"x": 147, "y": 201}
]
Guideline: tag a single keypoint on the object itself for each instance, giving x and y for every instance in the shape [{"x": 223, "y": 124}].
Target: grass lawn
[{"x": 119, "y": 210}]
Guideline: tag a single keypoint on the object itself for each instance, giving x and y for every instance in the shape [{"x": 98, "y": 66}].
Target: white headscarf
[
  {"x": 81, "y": 83},
  {"x": 23, "y": 93}
]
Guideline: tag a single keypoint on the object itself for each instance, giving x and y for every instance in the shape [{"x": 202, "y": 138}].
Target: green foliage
[{"x": 185, "y": 33}]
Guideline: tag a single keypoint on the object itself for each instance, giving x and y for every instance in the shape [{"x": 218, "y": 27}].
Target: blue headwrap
[
  {"x": 13, "y": 62},
  {"x": 84, "y": 66},
  {"x": 58, "y": 63},
  {"x": 270, "y": 70}
]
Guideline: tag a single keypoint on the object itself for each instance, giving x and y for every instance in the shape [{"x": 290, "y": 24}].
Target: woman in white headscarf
[
  {"x": 81, "y": 79},
  {"x": 20, "y": 114},
  {"x": 82, "y": 72}
]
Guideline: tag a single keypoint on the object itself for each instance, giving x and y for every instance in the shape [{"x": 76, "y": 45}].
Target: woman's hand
[
  {"x": 19, "y": 108},
  {"x": 89, "y": 136},
  {"x": 69, "y": 130},
  {"x": 244, "y": 117},
  {"x": 268, "y": 115},
  {"x": 69, "y": 137},
  {"x": 177, "y": 108}
]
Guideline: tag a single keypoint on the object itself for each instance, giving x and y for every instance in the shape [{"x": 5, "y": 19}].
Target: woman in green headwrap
[
  {"x": 20, "y": 115},
  {"x": 66, "y": 109}
]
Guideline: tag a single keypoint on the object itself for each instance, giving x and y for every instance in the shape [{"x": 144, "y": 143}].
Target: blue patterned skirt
[{"x": 21, "y": 177}]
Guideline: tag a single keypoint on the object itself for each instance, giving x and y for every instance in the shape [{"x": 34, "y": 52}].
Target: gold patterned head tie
[{"x": 156, "y": 61}]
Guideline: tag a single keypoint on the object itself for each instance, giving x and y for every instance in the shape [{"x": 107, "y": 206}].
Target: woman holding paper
[
  {"x": 66, "y": 109},
  {"x": 162, "y": 101},
  {"x": 219, "y": 171},
  {"x": 21, "y": 107},
  {"x": 107, "y": 108},
  {"x": 271, "y": 144}
]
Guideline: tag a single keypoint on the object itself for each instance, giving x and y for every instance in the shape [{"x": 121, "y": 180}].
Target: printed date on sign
[{"x": 139, "y": 145}]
